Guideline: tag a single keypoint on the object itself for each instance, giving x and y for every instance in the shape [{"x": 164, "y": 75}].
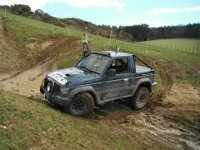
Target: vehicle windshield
[{"x": 94, "y": 62}]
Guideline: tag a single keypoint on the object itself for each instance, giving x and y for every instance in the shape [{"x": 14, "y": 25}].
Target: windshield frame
[{"x": 95, "y": 71}]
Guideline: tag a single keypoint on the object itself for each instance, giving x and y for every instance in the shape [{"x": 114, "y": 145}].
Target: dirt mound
[
  {"x": 27, "y": 79},
  {"x": 53, "y": 50},
  {"x": 7, "y": 51}
]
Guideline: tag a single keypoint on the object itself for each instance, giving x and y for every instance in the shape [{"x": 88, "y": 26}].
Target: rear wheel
[
  {"x": 140, "y": 98},
  {"x": 81, "y": 105}
]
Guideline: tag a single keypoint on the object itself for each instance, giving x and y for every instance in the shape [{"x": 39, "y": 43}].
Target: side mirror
[{"x": 111, "y": 72}]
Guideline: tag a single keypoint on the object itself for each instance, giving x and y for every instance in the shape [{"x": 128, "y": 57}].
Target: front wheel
[
  {"x": 140, "y": 98},
  {"x": 81, "y": 105}
]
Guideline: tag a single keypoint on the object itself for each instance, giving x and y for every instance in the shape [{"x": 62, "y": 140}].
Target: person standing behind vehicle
[{"x": 85, "y": 42}]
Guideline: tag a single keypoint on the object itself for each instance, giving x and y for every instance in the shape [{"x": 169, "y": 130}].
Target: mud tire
[
  {"x": 140, "y": 98},
  {"x": 81, "y": 105}
]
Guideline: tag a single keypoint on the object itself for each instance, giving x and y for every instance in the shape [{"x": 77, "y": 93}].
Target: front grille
[{"x": 56, "y": 88}]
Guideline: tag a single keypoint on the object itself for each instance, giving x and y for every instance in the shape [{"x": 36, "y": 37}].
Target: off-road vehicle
[{"x": 97, "y": 78}]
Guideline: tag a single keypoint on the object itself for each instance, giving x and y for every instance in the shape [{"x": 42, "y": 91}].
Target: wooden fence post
[{"x": 5, "y": 11}]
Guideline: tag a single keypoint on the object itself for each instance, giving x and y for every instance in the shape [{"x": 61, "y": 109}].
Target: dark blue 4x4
[{"x": 98, "y": 78}]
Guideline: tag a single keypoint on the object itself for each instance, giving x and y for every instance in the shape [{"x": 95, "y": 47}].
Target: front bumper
[{"x": 54, "y": 98}]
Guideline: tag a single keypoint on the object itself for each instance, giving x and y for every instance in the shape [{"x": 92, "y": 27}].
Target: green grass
[
  {"x": 24, "y": 31},
  {"x": 33, "y": 124},
  {"x": 188, "y": 45},
  {"x": 25, "y": 28},
  {"x": 194, "y": 80},
  {"x": 148, "y": 52}
]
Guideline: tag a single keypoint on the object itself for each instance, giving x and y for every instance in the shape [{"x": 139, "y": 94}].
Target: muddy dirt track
[{"x": 172, "y": 118}]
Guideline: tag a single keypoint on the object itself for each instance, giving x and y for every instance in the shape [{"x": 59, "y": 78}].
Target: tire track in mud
[
  {"x": 163, "y": 123},
  {"x": 183, "y": 107},
  {"x": 8, "y": 50},
  {"x": 26, "y": 83},
  {"x": 165, "y": 126}
]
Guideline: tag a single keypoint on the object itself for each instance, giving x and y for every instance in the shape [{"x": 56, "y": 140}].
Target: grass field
[
  {"x": 31, "y": 124},
  {"x": 188, "y": 45}
]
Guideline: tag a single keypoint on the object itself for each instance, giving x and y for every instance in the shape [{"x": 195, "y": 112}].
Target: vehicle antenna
[
  {"x": 52, "y": 27},
  {"x": 116, "y": 40},
  {"x": 147, "y": 41},
  {"x": 117, "y": 48},
  {"x": 5, "y": 11}
]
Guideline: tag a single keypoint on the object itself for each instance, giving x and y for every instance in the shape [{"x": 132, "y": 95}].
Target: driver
[{"x": 120, "y": 65}]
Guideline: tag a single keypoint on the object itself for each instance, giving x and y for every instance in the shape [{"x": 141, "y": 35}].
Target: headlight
[
  {"x": 48, "y": 87},
  {"x": 64, "y": 90}
]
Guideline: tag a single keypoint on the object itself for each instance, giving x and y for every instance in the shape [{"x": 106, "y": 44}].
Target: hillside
[
  {"x": 140, "y": 32},
  {"x": 103, "y": 30},
  {"x": 29, "y": 49}
]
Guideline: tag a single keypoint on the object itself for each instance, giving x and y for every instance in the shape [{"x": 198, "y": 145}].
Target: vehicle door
[{"x": 117, "y": 86}]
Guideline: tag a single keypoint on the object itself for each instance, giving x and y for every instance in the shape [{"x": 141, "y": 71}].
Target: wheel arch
[
  {"x": 85, "y": 89},
  {"x": 145, "y": 82}
]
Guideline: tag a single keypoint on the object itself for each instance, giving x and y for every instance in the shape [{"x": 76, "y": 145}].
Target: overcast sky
[{"x": 120, "y": 12}]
